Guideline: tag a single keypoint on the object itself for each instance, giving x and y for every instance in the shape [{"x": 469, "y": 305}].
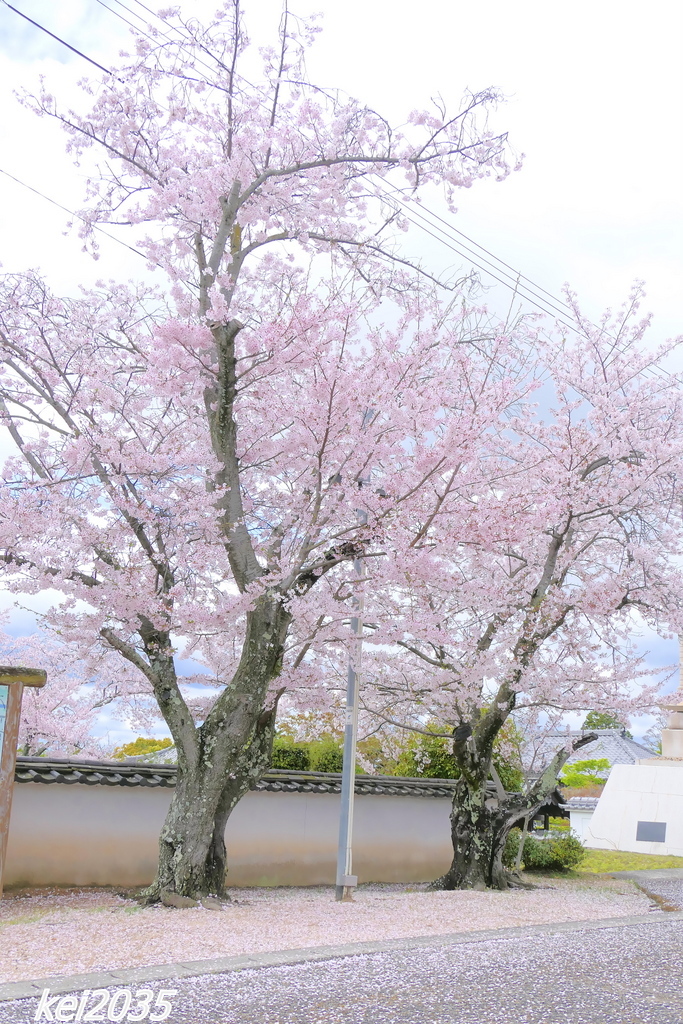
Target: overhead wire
[
  {"x": 72, "y": 213},
  {"x": 453, "y": 230},
  {"x": 416, "y": 214},
  {"x": 514, "y": 284},
  {"x": 479, "y": 265},
  {"x": 177, "y": 41},
  {"x": 141, "y": 31},
  {"x": 58, "y": 38},
  {"x": 419, "y": 211}
]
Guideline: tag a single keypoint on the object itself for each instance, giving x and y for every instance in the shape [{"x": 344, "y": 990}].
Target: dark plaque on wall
[{"x": 651, "y": 832}]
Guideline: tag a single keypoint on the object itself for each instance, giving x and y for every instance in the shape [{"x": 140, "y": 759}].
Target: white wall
[
  {"x": 107, "y": 835},
  {"x": 639, "y": 793},
  {"x": 579, "y": 820}
]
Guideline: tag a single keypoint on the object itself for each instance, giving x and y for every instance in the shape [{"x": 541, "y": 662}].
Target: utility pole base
[{"x": 344, "y": 892}]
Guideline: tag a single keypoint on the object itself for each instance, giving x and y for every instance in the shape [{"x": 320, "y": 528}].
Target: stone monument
[
  {"x": 641, "y": 807},
  {"x": 672, "y": 736}
]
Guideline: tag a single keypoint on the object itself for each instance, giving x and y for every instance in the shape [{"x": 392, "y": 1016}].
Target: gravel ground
[
  {"x": 68, "y": 932},
  {"x": 627, "y": 975}
]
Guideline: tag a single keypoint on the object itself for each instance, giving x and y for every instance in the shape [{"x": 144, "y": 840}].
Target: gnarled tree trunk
[
  {"x": 478, "y": 830},
  {"x": 192, "y": 854},
  {"x": 481, "y": 820}
]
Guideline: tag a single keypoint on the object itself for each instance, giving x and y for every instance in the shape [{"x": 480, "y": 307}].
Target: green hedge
[
  {"x": 326, "y": 756},
  {"x": 289, "y": 755},
  {"x": 560, "y": 851}
]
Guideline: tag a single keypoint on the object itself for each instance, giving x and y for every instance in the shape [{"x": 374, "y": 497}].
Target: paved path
[
  {"x": 665, "y": 885},
  {"x": 619, "y": 972}
]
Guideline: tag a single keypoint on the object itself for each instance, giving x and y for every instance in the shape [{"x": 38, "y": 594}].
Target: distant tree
[
  {"x": 59, "y": 718},
  {"x": 326, "y": 755},
  {"x": 604, "y": 720},
  {"x": 591, "y": 772},
  {"x": 432, "y": 757},
  {"x": 140, "y": 745},
  {"x": 287, "y": 754}
]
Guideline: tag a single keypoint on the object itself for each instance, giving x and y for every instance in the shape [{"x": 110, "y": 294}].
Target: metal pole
[{"x": 346, "y": 881}]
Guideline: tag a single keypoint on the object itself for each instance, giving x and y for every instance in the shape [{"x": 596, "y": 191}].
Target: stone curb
[
  {"x": 60, "y": 984},
  {"x": 655, "y": 874}
]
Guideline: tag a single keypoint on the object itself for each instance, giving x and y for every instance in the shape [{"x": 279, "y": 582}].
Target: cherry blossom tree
[
  {"x": 189, "y": 457},
  {"x": 525, "y": 587},
  {"x": 58, "y": 719}
]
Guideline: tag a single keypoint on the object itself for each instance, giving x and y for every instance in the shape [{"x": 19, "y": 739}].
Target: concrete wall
[
  {"x": 639, "y": 794},
  {"x": 107, "y": 835}
]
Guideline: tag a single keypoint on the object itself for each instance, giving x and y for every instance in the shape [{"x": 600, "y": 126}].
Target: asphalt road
[{"x": 626, "y": 975}]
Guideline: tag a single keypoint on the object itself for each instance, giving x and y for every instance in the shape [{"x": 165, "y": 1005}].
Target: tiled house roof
[
  {"x": 612, "y": 745},
  {"x": 582, "y": 803}
]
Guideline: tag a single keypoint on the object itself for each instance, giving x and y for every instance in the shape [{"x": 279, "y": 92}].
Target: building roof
[
  {"x": 582, "y": 803},
  {"x": 611, "y": 744}
]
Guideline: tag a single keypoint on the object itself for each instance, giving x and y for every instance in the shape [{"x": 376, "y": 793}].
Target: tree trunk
[
  {"x": 192, "y": 855},
  {"x": 230, "y": 752},
  {"x": 481, "y": 821},
  {"x": 480, "y": 824}
]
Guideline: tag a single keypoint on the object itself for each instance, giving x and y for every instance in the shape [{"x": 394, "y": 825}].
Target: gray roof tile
[{"x": 610, "y": 744}]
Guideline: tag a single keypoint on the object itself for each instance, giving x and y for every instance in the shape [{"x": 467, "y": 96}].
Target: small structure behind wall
[{"x": 581, "y": 810}]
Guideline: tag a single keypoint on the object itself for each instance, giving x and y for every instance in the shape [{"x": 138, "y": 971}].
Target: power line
[
  {"x": 117, "y": 15},
  {"x": 453, "y": 230},
  {"x": 515, "y": 276},
  {"x": 517, "y": 288},
  {"x": 165, "y": 35},
  {"x": 58, "y": 38},
  {"x": 90, "y": 60},
  {"x": 181, "y": 34},
  {"x": 453, "y": 245},
  {"x": 71, "y": 213},
  {"x": 499, "y": 270}
]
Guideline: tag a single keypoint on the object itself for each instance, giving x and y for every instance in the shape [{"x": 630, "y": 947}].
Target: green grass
[
  {"x": 24, "y": 918},
  {"x": 597, "y": 862}
]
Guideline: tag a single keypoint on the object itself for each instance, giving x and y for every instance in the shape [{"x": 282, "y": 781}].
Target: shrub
[
  {"x": 326, "y": 756},
  {"x": 427, "y": 757},
  {"x": 290, "y": 755},
  {"x": 558, "y": 851}
]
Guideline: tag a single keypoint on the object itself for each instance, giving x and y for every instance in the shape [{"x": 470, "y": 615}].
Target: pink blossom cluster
[{"x": 516, "y": 500}]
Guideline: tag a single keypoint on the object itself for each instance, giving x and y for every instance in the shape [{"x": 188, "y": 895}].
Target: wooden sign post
[{"x": 12, "y": 682}]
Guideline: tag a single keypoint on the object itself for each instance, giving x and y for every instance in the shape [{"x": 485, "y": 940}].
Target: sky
[{"x": 594, "y": 101}]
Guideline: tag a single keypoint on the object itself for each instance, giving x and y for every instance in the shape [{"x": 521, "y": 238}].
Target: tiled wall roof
[{"x": 69, "y": 771}]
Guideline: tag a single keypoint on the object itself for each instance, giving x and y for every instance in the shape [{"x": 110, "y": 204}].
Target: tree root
[
  {"x": 515, "y": 881},
  {"x": 511, "y": 880},
  {"x": 154, "y": 894}
]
